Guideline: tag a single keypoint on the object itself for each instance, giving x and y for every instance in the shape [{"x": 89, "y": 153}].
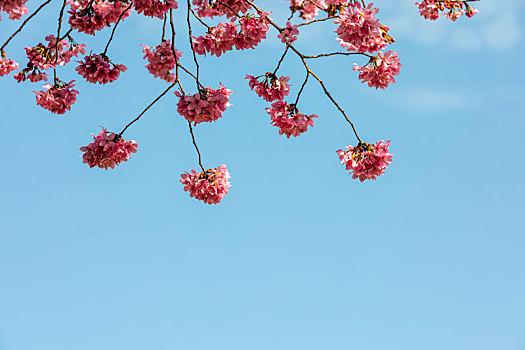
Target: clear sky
[{"x": 298, "y": 255}]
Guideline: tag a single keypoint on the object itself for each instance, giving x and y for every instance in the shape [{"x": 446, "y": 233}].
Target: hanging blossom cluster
[
  {"x": 99, "y": 69},
  {"x": 452, "y": 9},
  {"x": 209, "y": 186},
  {"x": 107, "y": 150},
  {"x": 356, "y": 28},
  {"x": 90, "y": 16},
  {"x": 207, "y": 105},
  {"x": 14, "y": 8},
  {"x": 366, "y": 161},
  {"x": 161, "y": 60}
]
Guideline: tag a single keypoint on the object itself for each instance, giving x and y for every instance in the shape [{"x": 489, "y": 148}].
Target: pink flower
[
  {"x": 107, "y": 150},
  {"x": 14, "y": 8},
  {"x": 428, "y": 9},
  {"x": 155, "y": 8},
  {"x": 366, "y": 161},
  {"x": 99, "y": 69},
  {"x": 228, "y": 8},
  {"x": 253, "y": 31},
  {"x": 217, "y": 41},
  {"x": 380, "y": 72},
  {"x": 308, "y": 9},
  {"x": 161, "y": 60},
  {"x": 209, "y": 186},
  {"x": 89, "y": 17},
  {"x": 289, "y": 34},
  {"x": 7, "y": 65},
  {"x": 271, "y": 89},
  {"x": 205, "y": 106},
  {"x": 57, "y": 98},
  {"x": 288, "y": 119}
]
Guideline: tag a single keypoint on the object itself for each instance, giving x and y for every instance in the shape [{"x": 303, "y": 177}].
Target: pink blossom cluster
[
  {"x": 107, "y": 150},
  {"x": 452, "y": 9},
  {"x": 88, "y": 16},
  {"x": 224, "y": 36},
  {"x": 308, "y": 9},
  {"x": 380, "y": 72},
  {"x": 205, "y": 106},
  {"x": 289, "y": 34},
  {"x": 57, "y": 98},
  {"x": 366, "y": 161},
  {"x": 161, "y": 60},
  {"x": 7, "y": 65},
  {"x": 42, "y": 57},
  {"x": 155, "y": 8},
  {"x": 214, "y": 8},
  {"x": 288, "y": 119},
  {"x": 99, "y": 69},
  {"x": 209, "y": 186},
  {"x": 271, "y": 88},
  {"x": 14, "y": 8},
  {"x": 359, "y": 30}
]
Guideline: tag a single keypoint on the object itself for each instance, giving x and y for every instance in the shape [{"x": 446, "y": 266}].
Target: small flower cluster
[
  {"x": 99, "y": 69},
  {"x": 288, "y": 119},
  {"x": 366, "y": 161},
  {"x": 228, "y": 8},
  {"x": 14, "y": 8},
  {"x": 155, "y": 8},
  {"x": 289, "y": 34},
  {"x": 205, "y": 106},
  {"x": 380, "y": 71},
  {"x": 161, "y": 60},
  {"x": 42, "y": 57},
  {"x": 452, "y": 9},
  {"x": 89, "y": 16},
  {"x": 224, "y": 37},
  {"x": 57, "y": 98},
  {"x": 209, "y": 186},
  {"x": 107, "y": 150},
  {"x": 308, "y": 9},
  {"x": 7, "y": 65},
  {"x": 271, "y": 88}
]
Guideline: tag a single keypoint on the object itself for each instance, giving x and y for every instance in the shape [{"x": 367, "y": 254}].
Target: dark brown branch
[
  {"x": 281, "y": 60},
  {"x": 196, "y": 147},
  {"x": 58, "y": 39}
]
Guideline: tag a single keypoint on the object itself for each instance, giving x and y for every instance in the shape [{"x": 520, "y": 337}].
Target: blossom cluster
[
  {"x": 99, "y": 69},
  {"x": 42, "y": 57},
  {"x": 107, "y": 150},
  {"x": 380, "y": 71},
  {"x": 289, "y": 34},
  {"x": 452, "y": 9},
  {"x": 7, "y": 65},
  {"x": 207, "y": 105},
  {"x": 366, "y": 161},
  {"x": 90, "y": 16},
  {"x": 225, "y": 36},
  {"x": 161, "y": 60},
  {"x": 288, "y": 119},
  {"x": 271, "y": 88},
  {"x": 155, "y": 8},
  {"x": 14, "y": 8},
  {"x": 57, "y": 98},
  {"x": 209, "y": 186},
  {"x": 228, "y": 8}
]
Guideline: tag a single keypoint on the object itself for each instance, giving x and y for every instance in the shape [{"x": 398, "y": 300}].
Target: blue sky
[{"x": 298, "y": 255}]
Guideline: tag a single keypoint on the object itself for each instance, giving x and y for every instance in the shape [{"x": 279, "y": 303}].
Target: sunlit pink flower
[
  {"x": 253, "y": 31},
  {"x": 366, "y": 161},
  {"x": 358, "y": 27},
  {"x": 99, "y": 69},
  {"x": 289, "y": 34},
  {"x": 380, "y": 72},
  {"x": 209, "y": 186},
  {"x": 217, "y": 41},
  {"x": 57, "y": 98},
  {"x": 88, "y": 16},
  {"x": 204, "y": 106},
  {"x": 428, "y": 9},
  {"x": 14, "y": 8},
  {"x": 271, "y": 88},
  {"x": 107, "y": 150},
  {"x": 161, "y": 60},
  {"x": 308, "y": 9},
  {"x": 155, "y": 8},
  {"x": 7, "y": 66},
  {"x": 288, "y": 119}
]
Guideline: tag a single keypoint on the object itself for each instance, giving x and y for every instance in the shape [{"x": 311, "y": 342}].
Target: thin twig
[
  {"x": 196, "y": 147},
  {"x": 281, "y": 60},
  {"x": 115, "y": 27},
  {"x": 58, "y": 39},
  {"x": 191, "y": 44},
  {"x": 316, "y": 20}
]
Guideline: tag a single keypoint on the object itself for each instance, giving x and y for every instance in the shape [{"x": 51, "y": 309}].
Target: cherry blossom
[
  {"x": 155, "y": 8},
  {"x": 88, "y": 16},
  {"x": 289, "y": 34},
  {"x": 7, "y": 65},
  {"x": 107, "y": 150},
  {"x": 308, "y": 9},
  {"x": 99, "y": 69},
  {"x": 209, "y": 186},
  {"x": 366, "y": 161},
  {"x": 271, "y": 88},
  {"x": 288, "y": 119},
  {"x": 57, "y": 98},
  {"x": 14, "y": 8},
  {"x": 205, "y": 106},
  {"x": 452, "y": 9},
  {"x": 214, "y": 8},
  {"x": 380, "y": 72},
  {"x": 161, "y": 60}
]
